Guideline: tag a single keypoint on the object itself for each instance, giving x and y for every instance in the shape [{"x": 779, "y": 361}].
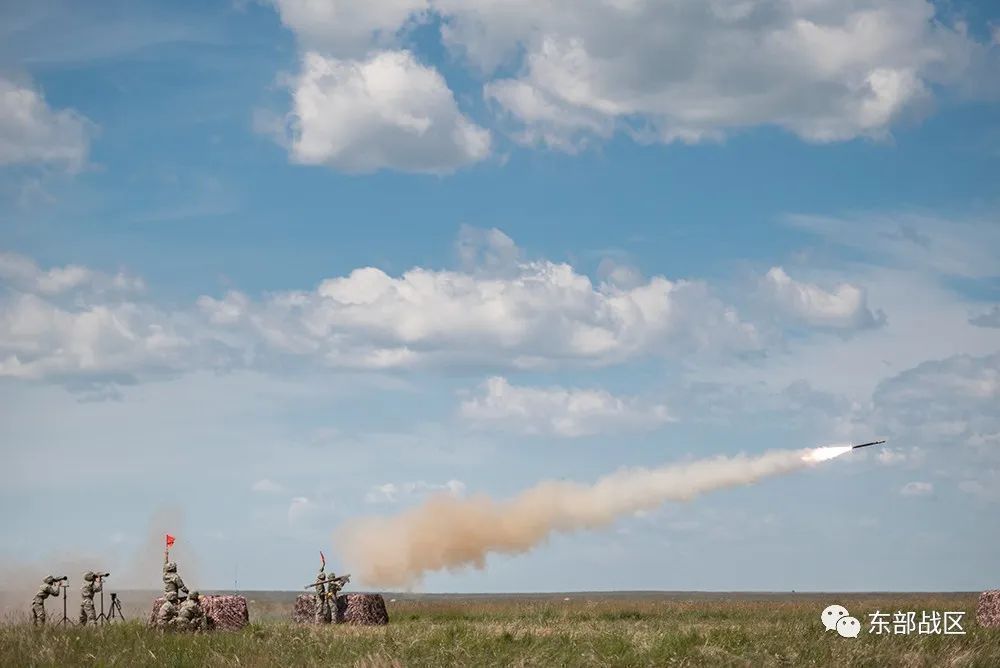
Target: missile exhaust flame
[
  {"x": 449, "y": 533},
  {"x": 826, "y": 453}
]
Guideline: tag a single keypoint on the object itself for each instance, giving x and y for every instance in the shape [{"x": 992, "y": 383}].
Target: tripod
[
  {"x": 102, "y": 618},
  {"x": 116, "y": 608},
  {"x": 65, "y": 619}
]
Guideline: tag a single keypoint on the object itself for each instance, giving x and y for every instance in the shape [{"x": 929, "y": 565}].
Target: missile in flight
[{"x": 865, "y": 445}]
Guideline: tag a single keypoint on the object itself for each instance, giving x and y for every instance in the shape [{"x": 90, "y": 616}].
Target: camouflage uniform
[
  {"x": 165, "y": 618},
  {"x": 171, "y": 581},
  {"x": 192, "y": 616},
  {"x": 47, "y": 589},
  {"x": 333, "y": 590},
  {"x": 334, "y": 586},
  {"x": 91, "y": 585},
  {"x": 322, "y": 602}
]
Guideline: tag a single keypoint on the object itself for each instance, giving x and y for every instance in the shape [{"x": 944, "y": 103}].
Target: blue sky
[{"x": 259, "y": 262}]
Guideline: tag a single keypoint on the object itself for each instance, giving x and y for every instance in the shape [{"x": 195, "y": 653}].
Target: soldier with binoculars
[
  {"x": 50, "y": 587},
  {"x": 92, "y": 583}
]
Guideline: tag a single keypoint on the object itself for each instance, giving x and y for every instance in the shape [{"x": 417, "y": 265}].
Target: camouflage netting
[
  {"x": 304, "y": 610},
  {"x": 988, "y": 610},
  {"x": 228, "y": 613},
  {"x": 363, "y": 609}
]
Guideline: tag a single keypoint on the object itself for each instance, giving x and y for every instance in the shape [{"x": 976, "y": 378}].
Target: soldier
[
  {"x": 171, "y": 580},
  {"x": 191, "y": 616},
  {"x": 91, "y": 585},
  {"x": 322, "y": 602},
  {"x": 47, "y": 589},
  {"x": 335, "y": 584},
  {"x": 166, "y": 616}
]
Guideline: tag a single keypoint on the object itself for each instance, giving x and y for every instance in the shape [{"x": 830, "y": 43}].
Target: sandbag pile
[
  {"x": 988, "y": 610},
  {"x": 361, "y": 609},
  {"x": 228, "y": 613}
]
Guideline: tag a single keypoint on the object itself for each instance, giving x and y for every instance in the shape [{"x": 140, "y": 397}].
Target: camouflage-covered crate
[
  {"x": 988, "y": 610},
  {"x": 362, "y": 609},
  {"x": 304, "y": 610},
  {"x": 228, "y": 613}
]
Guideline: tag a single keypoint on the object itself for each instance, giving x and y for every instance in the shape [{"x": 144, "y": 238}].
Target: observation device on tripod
[
  {"x": 65, "y": 618},
  {"x": 115, "y": 611}
]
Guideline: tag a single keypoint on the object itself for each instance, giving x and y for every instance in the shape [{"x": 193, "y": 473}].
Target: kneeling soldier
[
  {"x": 165, "y": 618},
  {"x": 192, "y": 616}
]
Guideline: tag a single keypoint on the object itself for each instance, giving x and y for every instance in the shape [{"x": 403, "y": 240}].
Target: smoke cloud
[{"x": 450, "y": 533}]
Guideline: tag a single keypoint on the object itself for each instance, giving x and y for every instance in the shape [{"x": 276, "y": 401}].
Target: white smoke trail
[{"x": 447, "y": 532}]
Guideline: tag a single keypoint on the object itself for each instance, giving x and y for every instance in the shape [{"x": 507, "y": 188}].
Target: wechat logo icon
[{"x": 836, "y": 618}]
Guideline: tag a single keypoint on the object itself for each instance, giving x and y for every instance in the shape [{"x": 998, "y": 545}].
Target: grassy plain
[{"x": 627, "y": 629}]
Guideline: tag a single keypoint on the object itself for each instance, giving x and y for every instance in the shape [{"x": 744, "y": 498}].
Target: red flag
[
  {"x": 170, "y": 540},
  {"x": 322, "y": 559}
]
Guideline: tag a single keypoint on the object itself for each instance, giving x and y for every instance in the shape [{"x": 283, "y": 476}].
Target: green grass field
[{"x": 587, "y": 630}]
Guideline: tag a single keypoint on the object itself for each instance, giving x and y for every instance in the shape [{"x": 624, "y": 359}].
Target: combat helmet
[
  {"x": 171, "y": 596},
  {"x": 89, "y": 576},
  {"x": 171, "y": 566},
  {"x": 321, "y": 577},
  {"x": 194, "y": 596},
  {"x": 49, "y": 579}
]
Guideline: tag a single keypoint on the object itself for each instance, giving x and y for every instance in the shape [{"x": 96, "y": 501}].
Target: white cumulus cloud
[
  {"x": 522, "y": 314},
  {"x": 824, "y": 70},
  {"x": 384, "y": 112},
  {"x": 74, "y": 322},
  {"x": 559, "y": 411},
  {"x": 39, "y": 338},
  {"x": 346, "y": 27},
  {"x": 499, "y": 309},
  {"x": 843, "y": 307},
  {"x": 31, "y": 132}
]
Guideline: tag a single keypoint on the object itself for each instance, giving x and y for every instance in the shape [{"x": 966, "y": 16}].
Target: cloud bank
[
  {"x": 499, "y": 310},
  {"x": 567, "y": 73}
]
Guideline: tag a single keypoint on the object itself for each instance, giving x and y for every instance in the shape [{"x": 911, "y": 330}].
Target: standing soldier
[
  {"x": 91, "y": 585},
  {"x": 168, "y": 611},
  {"x": 322, "y": 602},
  {"x": 171, "y": 580},
  {"x": 191, "y": 616},
  {"x": 334, "y": 585},
  {"x": 47, "y": 589}
]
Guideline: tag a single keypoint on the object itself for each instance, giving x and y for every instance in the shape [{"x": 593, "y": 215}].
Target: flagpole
[{"x": 168, "y": 541}]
